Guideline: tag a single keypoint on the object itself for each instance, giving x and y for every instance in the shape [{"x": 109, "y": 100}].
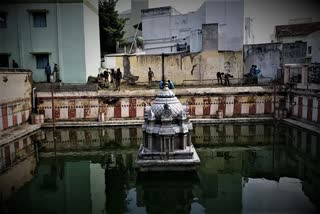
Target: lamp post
[
  {"x": 53, "y": 119},
  {"x": 162, "y": 60}
]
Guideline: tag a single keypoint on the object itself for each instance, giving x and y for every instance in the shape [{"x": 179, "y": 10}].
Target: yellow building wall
[{"x": 185, "y": 67}]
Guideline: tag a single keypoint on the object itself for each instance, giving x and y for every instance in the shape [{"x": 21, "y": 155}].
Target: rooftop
[
  {"x": 158, "y": 11},
  {"x": 297, "y": 29}
]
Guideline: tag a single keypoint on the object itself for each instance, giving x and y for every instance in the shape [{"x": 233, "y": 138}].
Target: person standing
[
  {"x": 219, "y": 77},
  {"x": 106, "y": 75},
  {"x": 252, "y": 71},
  {"x": 14, "y": 64},
  {"x": 161, "y": 84},
  {"x": 227, "y": 79},
  {"x": 118, "y": 79},
  {"x": 170, "y": 84},
  {"x": 150, "y": 75},
  {"x": 257, "y": 71},
  {"x": 113, "y": 77},
  {"x": 47, "y": 70},
  {"x": 56, "y": 73}
]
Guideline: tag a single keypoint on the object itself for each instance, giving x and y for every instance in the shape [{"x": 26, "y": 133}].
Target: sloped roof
[{"x": 297, "y": 29}]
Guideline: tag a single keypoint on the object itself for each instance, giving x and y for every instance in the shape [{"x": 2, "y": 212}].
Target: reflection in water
[
  {"x": 166, "y": 192},
  {"x": 119, "y": 174},
  {"x": 284, "y": 177},
  {"x": 70, "y": 139}
]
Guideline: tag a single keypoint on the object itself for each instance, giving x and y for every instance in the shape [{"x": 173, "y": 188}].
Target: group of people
[
  {"x": 170, "y": 84},
  {"x": 253, "y": 74},
  {"x": 115, "y": 76},
  {"x": 224, "y": 77},
  {"x": 162, "y": 82},
  {"x": 254, "y": 71},
  {"x": 54, "y": 73}
]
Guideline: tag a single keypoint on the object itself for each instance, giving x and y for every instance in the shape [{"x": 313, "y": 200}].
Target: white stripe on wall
[
  {"x": 315, "y": 109},
  {"x": 10, "y": 116},
  {"x": 295, "y": 108},
  {"x": 125, "y": 108},
  {"x": 304, "y": 107},
  {"x": 199, "y": 108},
  {"x": 229, "y": 106},
  {"x": 214, "y": 107},
  {"x": 260, "y": 105},
  {"x": 109, "y": 112}
]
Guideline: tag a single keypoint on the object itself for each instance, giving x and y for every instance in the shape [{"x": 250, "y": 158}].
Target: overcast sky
[
  {"x": 182, "y": 6},
  {"x": 265, "y": 14},
  {"x": 279, "y": 7}
]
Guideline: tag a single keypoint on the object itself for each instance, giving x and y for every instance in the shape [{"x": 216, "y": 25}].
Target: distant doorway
[{"x": 4, "y": 60}]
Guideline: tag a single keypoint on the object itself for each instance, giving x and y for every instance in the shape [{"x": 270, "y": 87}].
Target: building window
[
  {"x": 42, "y": 60},
  {"x": 39, "y": 19},
  {"x": 3, "y": 19},
  {"x": 314, "y": 74},
  {"x": 309, "y": 49},
  {"x": 295, "y": 75},
  {"x": 4, "y": 60}
]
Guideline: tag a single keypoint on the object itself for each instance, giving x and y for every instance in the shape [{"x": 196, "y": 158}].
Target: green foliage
[{"x": 111, "y": 26}]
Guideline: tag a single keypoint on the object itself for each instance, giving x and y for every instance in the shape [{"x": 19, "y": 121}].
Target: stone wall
[
  {"x": 273, "y": 56},
  {"x": 15, "y": 100},
  {"x": 76, "y": 106},
  {"x": 266, "y": 56},
  {"x": 182, "y": 68}
]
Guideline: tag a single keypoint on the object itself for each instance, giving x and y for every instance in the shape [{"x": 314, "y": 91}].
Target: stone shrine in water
[{"x": 167, "y": 133}]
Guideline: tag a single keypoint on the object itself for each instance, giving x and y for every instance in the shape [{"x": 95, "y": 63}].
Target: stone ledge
[
  {"x": 140, "y": 122},
  {"x": 302, "y": 125},
  {"x": 14, "y": 133},
  {"x": 230, "y": 120},
  {"x": 153, "y": 92}
]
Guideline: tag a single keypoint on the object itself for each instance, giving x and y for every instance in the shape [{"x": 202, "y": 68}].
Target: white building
[
  {"x": 300, "y": 41},
  {"x": 133, "y": 18},
  {"x": 261, "y": 17},
  {"x": 65, "y": 32},
  {"x": 216, "y": 25}
]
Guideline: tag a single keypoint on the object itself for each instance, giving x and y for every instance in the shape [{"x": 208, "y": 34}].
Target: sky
[
  {"x": 183, "y": 6},
  {"x": 265, "y": 14}
]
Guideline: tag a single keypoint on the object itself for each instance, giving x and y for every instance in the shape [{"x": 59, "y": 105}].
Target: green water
[{"x": 248, "y": 168}]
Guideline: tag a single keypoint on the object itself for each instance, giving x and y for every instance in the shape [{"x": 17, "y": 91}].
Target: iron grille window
[
  {"x": 42, "y": 60},
  {"x": 39, "y": 19},
  {"x": 295, "y": 75},
  {"x": 314, "y": 74},
  {"x": 3, "y": 19}
]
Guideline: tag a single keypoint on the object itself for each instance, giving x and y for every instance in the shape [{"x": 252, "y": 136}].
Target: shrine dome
[{"x": 166, "y": 96}]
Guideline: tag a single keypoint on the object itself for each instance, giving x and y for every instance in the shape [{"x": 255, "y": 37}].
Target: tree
[{"x": 111, "y": 26}]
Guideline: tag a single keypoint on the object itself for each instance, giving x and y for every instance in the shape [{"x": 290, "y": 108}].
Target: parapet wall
[
  {"x": 15, "y": 99},
  {"x": 182, "y": 68},
  {"x": 233, "y": 102}
]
